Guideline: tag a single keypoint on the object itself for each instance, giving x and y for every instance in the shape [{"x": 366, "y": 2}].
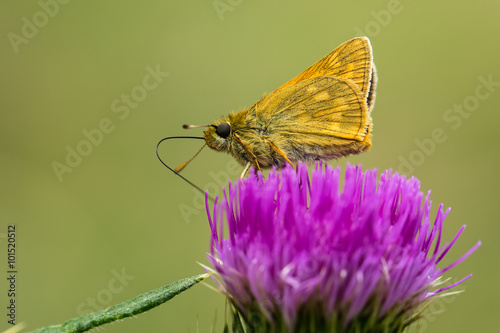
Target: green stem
[{"x": 126, "y": 309}]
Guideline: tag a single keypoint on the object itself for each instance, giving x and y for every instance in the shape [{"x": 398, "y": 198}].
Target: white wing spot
[
  {"x": 322, "y": 96},
  {"x": 311, "y": 89}
]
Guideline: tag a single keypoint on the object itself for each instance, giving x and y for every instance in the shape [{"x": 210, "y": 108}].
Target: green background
[{"x": 120, "y": 209}]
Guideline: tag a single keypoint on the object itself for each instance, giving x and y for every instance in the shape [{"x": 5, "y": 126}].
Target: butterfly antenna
[
  {"x": 183, "y": 165},
  {"x": 180, "y": 167},
  {"x": 186, "y": 126}
]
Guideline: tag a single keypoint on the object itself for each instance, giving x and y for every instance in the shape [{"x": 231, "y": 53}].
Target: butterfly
[{"x": 321, "y": 114}]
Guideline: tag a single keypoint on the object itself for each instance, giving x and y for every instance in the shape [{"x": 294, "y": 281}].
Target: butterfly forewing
[{"x": 352, "y": 60}]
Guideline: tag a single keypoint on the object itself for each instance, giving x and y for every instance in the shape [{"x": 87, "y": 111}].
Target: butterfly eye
[{"x": 223, "y": 130}]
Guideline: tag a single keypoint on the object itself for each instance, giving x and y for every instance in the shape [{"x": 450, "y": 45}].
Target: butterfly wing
[
  {"x": 317, "y": 118},
  {"x": 351, "y": 60}
]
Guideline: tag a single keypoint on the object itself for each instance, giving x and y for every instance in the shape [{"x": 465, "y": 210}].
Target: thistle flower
[{"x": 302, "y": 256}]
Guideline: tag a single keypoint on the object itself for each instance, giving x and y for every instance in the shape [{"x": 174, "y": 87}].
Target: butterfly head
[{"x": 218, "y": 135}]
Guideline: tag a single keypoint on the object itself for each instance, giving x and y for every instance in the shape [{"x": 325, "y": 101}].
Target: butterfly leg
[
  {"x": 279, "y": 151},
  {"x": 256, "y": 161},
  {"x": 245, "y": 171},
  {"x": 247, "y": 167}
]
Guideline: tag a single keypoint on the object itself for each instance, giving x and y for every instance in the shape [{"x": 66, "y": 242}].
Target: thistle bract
[{"x": 294, "y": 253}]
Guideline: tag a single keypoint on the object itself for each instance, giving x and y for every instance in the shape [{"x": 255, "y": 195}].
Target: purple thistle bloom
[{"x": 302, "y": 256}]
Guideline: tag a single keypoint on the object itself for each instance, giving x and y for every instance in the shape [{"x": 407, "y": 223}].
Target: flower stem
[{"x": 126, "y": 309}]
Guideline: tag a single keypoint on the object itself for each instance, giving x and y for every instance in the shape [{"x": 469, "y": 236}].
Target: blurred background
[{"x": 88, "y": 89}]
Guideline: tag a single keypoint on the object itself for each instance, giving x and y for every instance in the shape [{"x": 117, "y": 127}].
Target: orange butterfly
[{"x": 321, "y": 114}]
